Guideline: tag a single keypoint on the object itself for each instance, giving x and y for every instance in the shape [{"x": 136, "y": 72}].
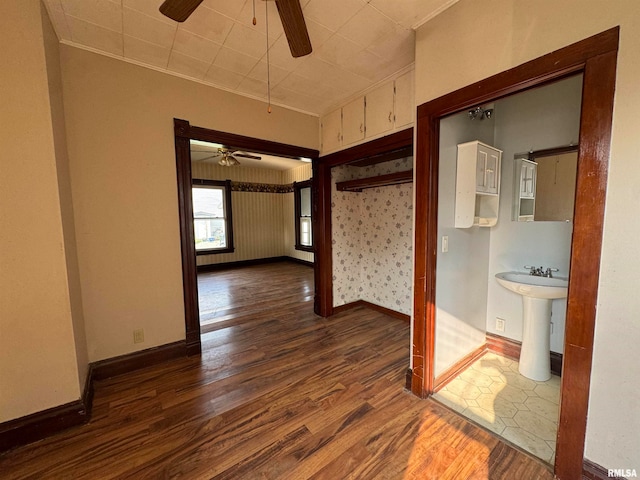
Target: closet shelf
[{"x": 360, "y": 184}]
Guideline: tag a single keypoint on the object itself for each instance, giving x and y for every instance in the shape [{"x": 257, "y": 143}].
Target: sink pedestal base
[{"x": 534, "y": 355}]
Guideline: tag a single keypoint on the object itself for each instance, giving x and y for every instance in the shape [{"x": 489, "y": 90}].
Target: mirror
[{"x": 544, "y": 185}]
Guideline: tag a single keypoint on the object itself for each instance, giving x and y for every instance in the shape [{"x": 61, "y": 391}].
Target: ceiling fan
[
  {"x": 290, "y": 13},
  {"x": 229, "y": 159}
]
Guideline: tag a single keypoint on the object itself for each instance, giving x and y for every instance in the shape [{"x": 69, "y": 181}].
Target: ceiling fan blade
[
  {"x": 210, "y": 157},
  {"x": 245, "y": 155},
  {"x": 294, "y": 27},
  {"x": 179, "y": 10}
]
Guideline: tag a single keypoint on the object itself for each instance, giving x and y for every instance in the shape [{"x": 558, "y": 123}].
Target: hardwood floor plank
[{"x": 278, "y": 393}]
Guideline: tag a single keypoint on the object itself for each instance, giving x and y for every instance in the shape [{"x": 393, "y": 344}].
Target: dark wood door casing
[
  {"x": 595, "y": 57},
  {"x": 184, "y": 132}
]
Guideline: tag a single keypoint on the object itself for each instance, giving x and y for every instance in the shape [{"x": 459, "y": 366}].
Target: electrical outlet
[
  {"x": 138, "y": 336},
  {"x": 500, "y": 324}
]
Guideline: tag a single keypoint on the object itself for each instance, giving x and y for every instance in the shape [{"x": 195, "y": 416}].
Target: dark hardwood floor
[{"x": 278, "y": 393}]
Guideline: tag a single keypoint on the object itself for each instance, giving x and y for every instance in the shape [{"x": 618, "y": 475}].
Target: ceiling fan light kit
[{"x": 228, "y": 158}]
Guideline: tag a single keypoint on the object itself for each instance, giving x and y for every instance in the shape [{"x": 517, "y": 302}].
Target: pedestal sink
[{"x": 537, "y": 294}]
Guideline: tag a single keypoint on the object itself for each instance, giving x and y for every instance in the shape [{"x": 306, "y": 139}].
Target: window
[
  {"x": 212, "y": 221},
  {"x": 304, "y": 233}
]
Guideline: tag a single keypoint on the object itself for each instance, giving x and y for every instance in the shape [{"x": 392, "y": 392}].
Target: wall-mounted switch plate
[
  {"x": 138, "y": 336},
  {"x": 500, "y": 324},
  {"x": 445, "y": 244}
]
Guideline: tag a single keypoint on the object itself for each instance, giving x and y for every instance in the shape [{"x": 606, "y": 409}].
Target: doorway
[
  {"x": 532, "y": 225},
  {"x": 184, "y": 134},
  {"x": 595, "y": 58}
]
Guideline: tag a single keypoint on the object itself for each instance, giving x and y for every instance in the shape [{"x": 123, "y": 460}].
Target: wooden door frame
[
  {"x": 594, "y": 57},
  {"x": 184, "y": 132}
]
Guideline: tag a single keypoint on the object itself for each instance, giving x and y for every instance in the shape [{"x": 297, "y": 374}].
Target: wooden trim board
[
  {"x": 247, "y": 263},
  {"x": 363, "y": 303},
  {"x": 511, "y": 348},
  {"x": 593, "y": 471},
  {"x": 112, "y": 367},
  {"x": 457, "y": 368},
  {"x": 39, "y": 425}
]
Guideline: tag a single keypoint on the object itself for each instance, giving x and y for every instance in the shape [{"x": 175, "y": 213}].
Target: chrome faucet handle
[
  {"x": 532, "y": 269},
  {"x": 548, "y": 273}
]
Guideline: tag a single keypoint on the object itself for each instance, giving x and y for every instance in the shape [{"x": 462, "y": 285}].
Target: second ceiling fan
[{"x": 290, "y": 13}]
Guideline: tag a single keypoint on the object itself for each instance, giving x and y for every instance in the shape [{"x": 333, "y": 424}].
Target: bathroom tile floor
[{"x": 493, "y": 394}]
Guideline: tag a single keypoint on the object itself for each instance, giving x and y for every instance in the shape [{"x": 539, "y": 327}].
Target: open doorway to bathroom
[
  {"x": 595, "y": 57},
  {"x": 481, "y": 369}
]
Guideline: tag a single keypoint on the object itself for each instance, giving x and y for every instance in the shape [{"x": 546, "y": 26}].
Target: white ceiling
[{"x": 356, "y": 43}]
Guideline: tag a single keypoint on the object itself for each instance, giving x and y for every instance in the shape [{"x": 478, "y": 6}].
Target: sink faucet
[
  {"x": 535, "y": 271},
  {"x": 540, "y": 271}
]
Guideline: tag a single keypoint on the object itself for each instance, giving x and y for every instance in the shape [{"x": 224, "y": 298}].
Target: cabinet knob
[
  {"x": 361, "y": 128},
  {"x": 390, "y": 115}
]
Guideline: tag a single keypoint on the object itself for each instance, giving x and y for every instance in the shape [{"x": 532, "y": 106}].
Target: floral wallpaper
[{"x": 372, "y": 239}]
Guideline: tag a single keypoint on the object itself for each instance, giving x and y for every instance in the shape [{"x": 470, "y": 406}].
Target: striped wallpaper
[{"x": 263, "y": 223}]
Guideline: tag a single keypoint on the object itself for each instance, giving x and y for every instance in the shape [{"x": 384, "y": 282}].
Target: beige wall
[
  {"x": 54, "y": 75},
  {"x": 122, "y": 163},
  {"x": 473, "y": 40},
  {"x": 38, "y": 366}
]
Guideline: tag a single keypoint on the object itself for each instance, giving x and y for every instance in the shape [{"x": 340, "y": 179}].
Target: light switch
[{"x": 445, "y": 244}]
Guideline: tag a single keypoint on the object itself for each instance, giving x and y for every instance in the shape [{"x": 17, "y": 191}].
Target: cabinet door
[
  {"x": 353, "y": 121},
  {"x": 404, "y": 108},
  {"x": 528, "y": 180},
  {"x": 487, "y": 170},
  {"x": 379, "y": 110},
  {"x": 332, "y": 130}
]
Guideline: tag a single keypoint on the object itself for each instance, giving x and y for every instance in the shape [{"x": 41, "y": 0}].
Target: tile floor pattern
[{"x": 493, "y": 394}]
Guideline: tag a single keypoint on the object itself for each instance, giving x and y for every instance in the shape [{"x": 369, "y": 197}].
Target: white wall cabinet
[
  {"x": 487, "y": 169},
  {"x": 524, "y": 186},
  {"x": 404, "y": 103},
  {"x": 379, "y": 110},
  {"x": 353, "y": 126},
  {"x": 331, "y": 130},
  {"x": 477, "y": 185}
]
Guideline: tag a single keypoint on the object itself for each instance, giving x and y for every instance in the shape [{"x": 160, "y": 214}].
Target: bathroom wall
[
  {"x": 462, "y": 273},
  {"x": 537, "y": 119},
  {"x": 372, "y": 239}
]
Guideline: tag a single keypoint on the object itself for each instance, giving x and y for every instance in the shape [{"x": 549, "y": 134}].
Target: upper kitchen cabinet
[
  {"x": 353, "y": 126},
  {"x": 379, "y": 110},
  {"x": 331, "y": 130},
  {"x": 404, "y": 107}
]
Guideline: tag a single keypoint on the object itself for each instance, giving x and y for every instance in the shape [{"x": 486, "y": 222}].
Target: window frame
[
  {"x": 228, "y": 211},
  {"x": 297, "y": 187}
]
